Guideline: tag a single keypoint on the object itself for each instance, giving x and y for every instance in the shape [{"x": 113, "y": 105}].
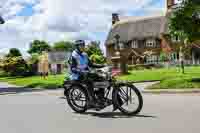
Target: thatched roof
[{"x": 138, "y": 28}]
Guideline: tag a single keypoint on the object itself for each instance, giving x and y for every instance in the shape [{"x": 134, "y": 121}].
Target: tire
[
  {"x": 71, "y": 101},
  {"x": 118, "y": 103}
]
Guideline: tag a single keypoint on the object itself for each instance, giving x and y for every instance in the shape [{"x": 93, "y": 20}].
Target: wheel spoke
[
  {"x": 130, "y": 96},
  {"x": 130, "y": 99},
  {"x": 78, "y": 98},
  {"x": 127, "y": 95},
  {"x": 123, "y": 96}
]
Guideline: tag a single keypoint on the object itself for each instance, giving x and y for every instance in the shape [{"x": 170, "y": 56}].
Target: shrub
[
  {"x": 97, "y": 59},
  {"x": 15, "y": 66},
  {"x": 33, "y": 64}
]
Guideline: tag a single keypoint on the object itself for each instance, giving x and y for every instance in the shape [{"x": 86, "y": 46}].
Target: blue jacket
[{"x": 80, "y": 62}]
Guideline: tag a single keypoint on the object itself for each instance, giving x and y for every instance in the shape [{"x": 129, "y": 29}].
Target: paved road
[{"x": 47, "y": 112}]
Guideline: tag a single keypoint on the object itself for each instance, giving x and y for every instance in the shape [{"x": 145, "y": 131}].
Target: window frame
[
  {"x": 134, "y": 44},
  {"x": 152, "y": 59},
  {"x": 152, "y": 42}
]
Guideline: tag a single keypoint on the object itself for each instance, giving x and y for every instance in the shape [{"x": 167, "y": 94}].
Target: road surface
[{"x": 47, "y": 112}]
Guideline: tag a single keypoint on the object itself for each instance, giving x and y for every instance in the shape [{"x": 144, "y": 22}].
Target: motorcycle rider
[{"x": 79, "y": 67}]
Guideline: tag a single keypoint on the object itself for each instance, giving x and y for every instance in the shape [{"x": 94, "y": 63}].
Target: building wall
[
  {"x": 140, "y": 49},
  {"x": 163, "y": 45}
]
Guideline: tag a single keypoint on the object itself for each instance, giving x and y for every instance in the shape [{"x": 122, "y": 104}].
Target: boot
[{"x": 96, "y": 104}]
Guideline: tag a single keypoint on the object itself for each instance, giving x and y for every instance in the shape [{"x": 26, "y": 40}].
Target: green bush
[
  {"x": 3, "y": 74},
  {"x": 33, "y": 64},
  {"x": 15, "y": 66},
  {"x": 97, "y": 59},
  {"x": 164, "y": 57}
]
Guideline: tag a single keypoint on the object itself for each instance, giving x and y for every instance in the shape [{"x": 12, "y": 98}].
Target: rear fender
[{"x": 69, "y": 84}]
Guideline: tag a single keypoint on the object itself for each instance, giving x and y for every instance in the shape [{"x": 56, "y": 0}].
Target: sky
[{"x": 56, "y": 20}]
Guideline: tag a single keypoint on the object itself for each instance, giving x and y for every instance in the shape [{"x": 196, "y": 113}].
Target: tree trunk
[
  {"x": 181, "y": 56},
  {"x": 182, "y": 67},
  {"x": 124, "y": 69}
]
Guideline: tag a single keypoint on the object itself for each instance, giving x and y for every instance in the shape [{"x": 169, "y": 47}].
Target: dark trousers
[{"x": 88, "y": 80}]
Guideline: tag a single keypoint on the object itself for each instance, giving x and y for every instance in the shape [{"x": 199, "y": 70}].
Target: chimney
[
  {"x": 170, "y": 3},
  {"x": 115, "y": 18}
]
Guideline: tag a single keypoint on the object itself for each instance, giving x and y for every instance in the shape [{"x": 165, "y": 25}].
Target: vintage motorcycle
[{"x": 122, "y": 95}]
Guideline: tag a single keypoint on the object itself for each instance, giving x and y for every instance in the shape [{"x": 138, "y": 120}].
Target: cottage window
[
  {"x": 174, "y": 56},
  {"x": 152, "y": 59},
  {"x": 150, "y": 43},
  {"x": 134, "y": 44}
]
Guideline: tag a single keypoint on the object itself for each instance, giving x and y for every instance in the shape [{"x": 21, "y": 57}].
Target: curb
[
  {"x": 175, "y": 91},
  {"x": 145, "y": 81}
]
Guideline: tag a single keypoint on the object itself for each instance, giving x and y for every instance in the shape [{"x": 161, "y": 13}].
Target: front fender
[{"x": 116, "y": 86}]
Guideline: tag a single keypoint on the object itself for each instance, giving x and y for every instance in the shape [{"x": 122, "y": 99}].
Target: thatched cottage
[{"x": 143, "y": 40}]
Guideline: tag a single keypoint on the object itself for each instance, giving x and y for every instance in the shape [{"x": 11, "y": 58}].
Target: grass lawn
[
  {"x": 52, "y": 82},
  {"x": 170, "y": 78}
]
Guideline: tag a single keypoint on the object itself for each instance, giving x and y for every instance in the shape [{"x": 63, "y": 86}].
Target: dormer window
[
  {"x": 151, "y": 43},
  {"x": 134, "y": 44}
]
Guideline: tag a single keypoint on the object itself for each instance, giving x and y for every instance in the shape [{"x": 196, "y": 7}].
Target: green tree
[
  {"x": 63, "y": 46},
  {"x": 38, "y": 46},
  {"x": 97, "y": 58},
  {"x": 95, "y": 53},
  {"x": 93, "y": 48},
  {"x": 15, "y": 66},
  {"x": 33, "y": 63},
  {"x": 14, "y": 52},
  {"x": 184, "y": 21}
]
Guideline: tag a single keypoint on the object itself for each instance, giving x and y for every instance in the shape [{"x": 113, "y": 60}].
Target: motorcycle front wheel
[{"x": 128, "y": 99}]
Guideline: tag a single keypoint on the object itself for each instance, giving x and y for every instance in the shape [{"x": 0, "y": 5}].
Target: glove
[
  {"x": 104, "y": 65},
  {"x": 83, "y": 74}
]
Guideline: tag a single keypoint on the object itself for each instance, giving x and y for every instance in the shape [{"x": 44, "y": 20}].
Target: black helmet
[{"x": 79, "y": 44}]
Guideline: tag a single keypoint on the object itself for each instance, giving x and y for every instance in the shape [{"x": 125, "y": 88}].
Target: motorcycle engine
[
  {"x": 105, "y": 72},
  {"x": 101, "y": 84}
]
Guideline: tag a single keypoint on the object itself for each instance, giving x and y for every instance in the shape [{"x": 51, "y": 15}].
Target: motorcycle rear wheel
[
  {"x": 128, "y": 94},
  {"x": 77, "y": 99}
]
